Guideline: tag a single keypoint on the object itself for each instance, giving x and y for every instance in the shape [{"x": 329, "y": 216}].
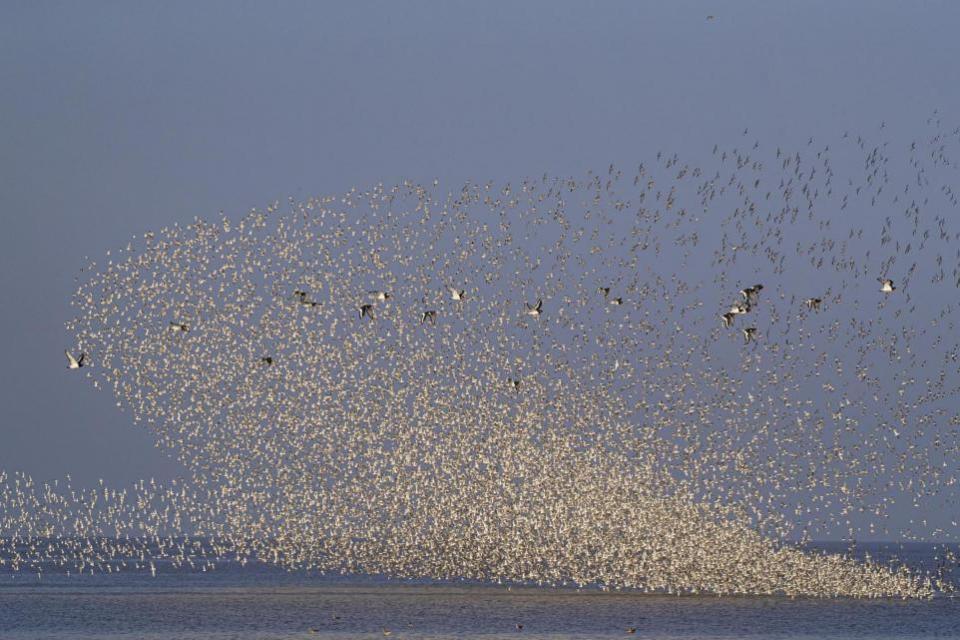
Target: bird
[
  {"x": 813, "y": 303},
  {"x": 886, "y": 285},
  {"x": 304, "y": 300},
  {"x": 430, "y": 315},
  {"x": 750, "y": 294},
  {"x": 604, "y": 290},
  {"x": 366, "y": 310},
  {"x": 379, "y": 295},
  {"x": 179, "y": 326},
  {"x": 534, "y": 309},
  {"x": 727, "y": 318},
  {"x": 74, "y": 363},
  {"x": 748, "y": 333},
  {"x": 616, "y": 301},
  {"x": 457, "y": 294},
  {"x": 267, "y": 360}
]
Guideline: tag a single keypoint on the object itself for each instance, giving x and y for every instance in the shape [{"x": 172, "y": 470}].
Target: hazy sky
[{"x": 120, "y": 117}]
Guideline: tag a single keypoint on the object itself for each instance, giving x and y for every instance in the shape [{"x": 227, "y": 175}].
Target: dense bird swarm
[{"x": 648, "y": 378}]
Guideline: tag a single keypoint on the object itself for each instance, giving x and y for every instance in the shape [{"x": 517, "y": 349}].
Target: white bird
[
  {"x": 75, "y": 363},
  {"x": 886, "y": 285}
]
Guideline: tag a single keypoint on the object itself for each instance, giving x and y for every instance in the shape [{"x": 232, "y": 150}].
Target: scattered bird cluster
[{"x": 361, "y": 383}]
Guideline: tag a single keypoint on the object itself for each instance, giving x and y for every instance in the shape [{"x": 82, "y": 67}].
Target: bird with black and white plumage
[
  {"x": 457, "y": 295},
  {"x": 748, "y": 334},
  {"x": 813, "y": 303},
  {"x": 75, "y": 363},
  {"x": 429, "y": 314},
  {"x": 751, "y": 294},
  {"x": 179, "y": 326},
  {"x": 365, "y": 311},
  {"x": 534, "y": 309},
  {"x": 727, "y": 319},
  {"x": 380, "y": 296},
  {"x": 739, "y": 308},
  {"x": 886, "y": 285},
  {"x": 302, "y": 298}
]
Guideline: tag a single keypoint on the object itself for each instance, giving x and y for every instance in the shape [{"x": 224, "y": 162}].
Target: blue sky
[{"x": 117, "y": 117}]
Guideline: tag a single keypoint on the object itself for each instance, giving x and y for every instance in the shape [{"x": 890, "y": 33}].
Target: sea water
[{"x": 262, "y": 601}]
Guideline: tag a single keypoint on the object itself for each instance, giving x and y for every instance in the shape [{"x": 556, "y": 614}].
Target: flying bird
[{"x": 75, "y": 363}]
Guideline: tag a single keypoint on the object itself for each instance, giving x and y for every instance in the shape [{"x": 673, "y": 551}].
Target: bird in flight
[
  {"x": 74, "y": 363},
  {"x": 302, "y": 297}
]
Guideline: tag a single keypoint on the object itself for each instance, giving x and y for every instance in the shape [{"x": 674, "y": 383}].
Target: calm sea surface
[{"x": 259, "y": 601}]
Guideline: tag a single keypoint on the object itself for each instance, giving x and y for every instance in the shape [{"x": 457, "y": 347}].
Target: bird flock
[{"x": 666, "y": 378}]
